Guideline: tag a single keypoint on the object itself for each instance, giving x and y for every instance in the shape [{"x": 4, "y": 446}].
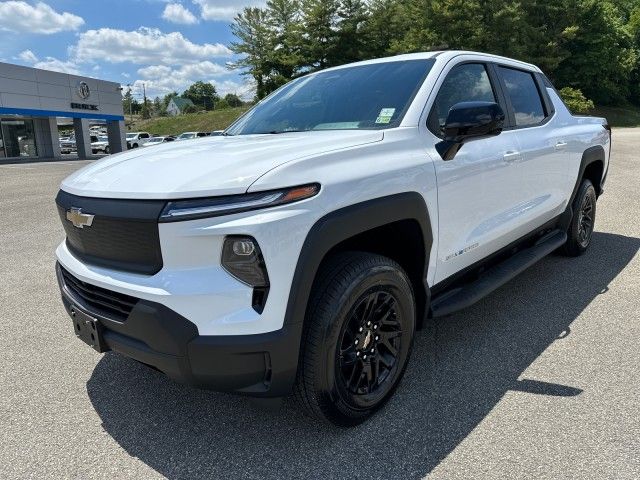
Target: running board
[{"x": 488, "y": 281}]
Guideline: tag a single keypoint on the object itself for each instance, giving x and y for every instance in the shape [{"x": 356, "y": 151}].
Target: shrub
[{"x": 575, "y": 100}]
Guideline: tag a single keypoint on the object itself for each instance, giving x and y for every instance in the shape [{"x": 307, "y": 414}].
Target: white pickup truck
[{"x": 302, "y": 249}]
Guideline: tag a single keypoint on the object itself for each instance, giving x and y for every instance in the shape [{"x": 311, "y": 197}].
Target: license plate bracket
[{"x": 88, "y": 329}]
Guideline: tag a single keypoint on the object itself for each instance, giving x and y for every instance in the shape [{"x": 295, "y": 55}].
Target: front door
[{"x": 480, "y": 190}]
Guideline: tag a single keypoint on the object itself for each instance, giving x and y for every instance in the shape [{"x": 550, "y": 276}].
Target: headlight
[{"x": 216, "y": 206}]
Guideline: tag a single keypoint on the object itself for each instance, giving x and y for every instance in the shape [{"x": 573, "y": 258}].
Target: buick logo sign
[{"x": 83, "y": 90}]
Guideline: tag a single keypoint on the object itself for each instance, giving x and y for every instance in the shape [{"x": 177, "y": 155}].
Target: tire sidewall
[
  {"x": 381, "y": 277},
  {"x": 585, "y": 189}
]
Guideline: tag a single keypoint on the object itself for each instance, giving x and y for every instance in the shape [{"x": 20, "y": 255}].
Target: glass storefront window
[{"x": 18, "y": 139}]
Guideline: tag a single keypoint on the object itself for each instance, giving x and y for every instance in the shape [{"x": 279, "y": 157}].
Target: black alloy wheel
[{"x": 357, "y": 337}]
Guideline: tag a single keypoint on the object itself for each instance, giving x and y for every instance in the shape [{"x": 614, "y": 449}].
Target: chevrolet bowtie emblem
[{"x": 79, "y": 219}]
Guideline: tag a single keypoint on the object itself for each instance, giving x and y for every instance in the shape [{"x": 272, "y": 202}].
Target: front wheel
[
  {"x": 358, "y": 337},
  {"x": 583, "y": 221}
]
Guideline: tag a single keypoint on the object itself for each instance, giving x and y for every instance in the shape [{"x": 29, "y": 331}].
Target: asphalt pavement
[{"x": 541, "y": 379}]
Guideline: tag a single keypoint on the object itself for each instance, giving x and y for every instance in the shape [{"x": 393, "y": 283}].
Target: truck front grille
[
  {"x": 122, "y": 236},
  {"x": 112, "y": 304}
]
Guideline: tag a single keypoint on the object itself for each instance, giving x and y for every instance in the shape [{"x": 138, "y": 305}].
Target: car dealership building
[{"x": 32, "y": 101}]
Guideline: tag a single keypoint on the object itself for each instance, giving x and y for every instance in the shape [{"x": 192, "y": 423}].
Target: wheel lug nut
[
  {"x": 377, "y": 337},
  {"x": 375, "y": 327},
  {"x": 368, "y": 323},
  {"x": 356, "y": 342},
  {"x": 357, "y": 354},
  {"x": 360, "y": 329},
  {"x": 365, "y": 357},
  {"x": 373, "y": 350}
]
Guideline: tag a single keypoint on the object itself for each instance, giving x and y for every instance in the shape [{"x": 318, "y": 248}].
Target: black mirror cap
[{"x": 467, "y": 120}]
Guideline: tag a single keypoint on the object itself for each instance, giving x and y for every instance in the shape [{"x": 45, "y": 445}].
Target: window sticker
[{"x": 385, "y": 115}]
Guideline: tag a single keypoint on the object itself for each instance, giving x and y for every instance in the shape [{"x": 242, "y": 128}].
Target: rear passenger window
[
  {"x": 524, "y": 95},
  {"x": 468, "y": 82}
]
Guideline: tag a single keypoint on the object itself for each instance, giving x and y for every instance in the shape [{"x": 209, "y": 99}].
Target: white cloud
[
  {"x": 27, "y": 56},
  {"x": 145, "y": 45},
  {"x": 161, "y": 79},
  {"x": 224, "y": 9},
  {"x": 176, "y": 13},
  {"x": 57, "y": 65},
  {"x": 19, "y": 16}
]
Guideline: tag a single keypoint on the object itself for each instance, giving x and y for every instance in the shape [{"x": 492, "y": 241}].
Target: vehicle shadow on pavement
[{"x": 460, "y": 368}]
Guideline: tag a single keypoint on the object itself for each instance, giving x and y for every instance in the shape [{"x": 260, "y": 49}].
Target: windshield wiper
[{"x": 278, "y": 132}]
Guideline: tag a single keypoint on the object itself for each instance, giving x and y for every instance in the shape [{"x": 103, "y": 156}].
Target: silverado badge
[{"x": 79, "y": 219}]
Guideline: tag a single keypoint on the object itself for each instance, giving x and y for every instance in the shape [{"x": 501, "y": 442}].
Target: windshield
[
  {"x": 187, "y": 135},
  {"x": 103, "y": 139},
  {"x": 370, "y": 96},
  {"x": 131, "y": 135}
]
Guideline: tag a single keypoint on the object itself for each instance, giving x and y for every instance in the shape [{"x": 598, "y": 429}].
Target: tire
[
  {"x": 364, "y": 298},
  {"x": 583, "y": 220},
  {"x": 135, "y": 145}
]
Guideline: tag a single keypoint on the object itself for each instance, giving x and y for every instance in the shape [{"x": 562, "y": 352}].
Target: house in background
[{"x": 177, "y": 105}]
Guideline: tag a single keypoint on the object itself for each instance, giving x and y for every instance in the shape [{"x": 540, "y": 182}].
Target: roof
[
  {"x": 181, "y": 102},
  {"x": 444, "y": 55}
]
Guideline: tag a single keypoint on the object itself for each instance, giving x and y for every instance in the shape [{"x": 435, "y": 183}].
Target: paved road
[{"x": 539, "y": 380}]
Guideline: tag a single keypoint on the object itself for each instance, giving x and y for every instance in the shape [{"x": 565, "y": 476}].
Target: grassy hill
[
  {"x": 192, "y": 122},
  {"x": 619, "y": 116},
  {"x": 220, "y": 119}
]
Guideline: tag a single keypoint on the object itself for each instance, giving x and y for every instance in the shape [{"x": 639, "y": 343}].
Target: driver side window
[{"x": 468, "y": 82}]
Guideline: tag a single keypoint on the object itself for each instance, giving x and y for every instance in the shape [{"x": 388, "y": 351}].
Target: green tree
[
  {"x": 285, "y": 58},
  {"x": 233, "y": 100},
  {"x": 350, "y": 39},
  {"x": 575, "y": 100},
  {"x": 319, "y": 38},
  {"x": 145, "y": 111},
  {"x": 202, "y": 94},
  {"x": 127, "y": 101},
  {"x": 254, "y": 44},
  {"x": 158, "y": 108}
]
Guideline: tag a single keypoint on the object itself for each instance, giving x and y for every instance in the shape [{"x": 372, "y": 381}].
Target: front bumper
[{"x": 262, "y": 365}]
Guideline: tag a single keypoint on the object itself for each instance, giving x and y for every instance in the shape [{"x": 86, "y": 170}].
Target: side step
[{"x": 465, "y": 296}]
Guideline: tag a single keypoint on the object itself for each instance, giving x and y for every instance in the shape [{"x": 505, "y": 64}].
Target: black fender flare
[
  {"x": 590, "y": 155},
  {"x": 343, "y": 224}
]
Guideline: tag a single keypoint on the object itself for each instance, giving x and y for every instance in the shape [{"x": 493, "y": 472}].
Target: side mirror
[{"x": 469, "y": 121}]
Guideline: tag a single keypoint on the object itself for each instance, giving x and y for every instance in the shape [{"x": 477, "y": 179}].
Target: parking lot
[{"x": 539, "y": 380}]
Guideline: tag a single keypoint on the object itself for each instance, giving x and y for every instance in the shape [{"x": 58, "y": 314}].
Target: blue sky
[{"x": 165, "y": 44}]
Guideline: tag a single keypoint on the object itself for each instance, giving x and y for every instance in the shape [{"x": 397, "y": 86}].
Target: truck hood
[{"x": 209, "y": 166}]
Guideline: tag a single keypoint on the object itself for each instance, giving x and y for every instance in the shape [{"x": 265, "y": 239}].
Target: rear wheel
[
  {"x": 358, "y": 336},
  {"x": 583, "y": 221}
]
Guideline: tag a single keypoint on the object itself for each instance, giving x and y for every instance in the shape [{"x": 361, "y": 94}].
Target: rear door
[
  {"x": 480, "y": 189},
  {"x": 544, "y": 160}
]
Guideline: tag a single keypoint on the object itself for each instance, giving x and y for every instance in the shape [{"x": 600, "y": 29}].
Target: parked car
[
  {"x": 191, "y": 135},
  {"x": 301, "y": 251},
  {"x": 68, "y": 145},
  {"x": 136, "y": 139},
  {"x": 100, "y": 144},
  {"x": 158, "y": 140}
]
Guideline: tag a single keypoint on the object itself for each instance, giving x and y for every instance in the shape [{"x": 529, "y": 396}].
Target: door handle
[
  {"x": 560, "y": 145},
  {"x": 511, "y": 156}
]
